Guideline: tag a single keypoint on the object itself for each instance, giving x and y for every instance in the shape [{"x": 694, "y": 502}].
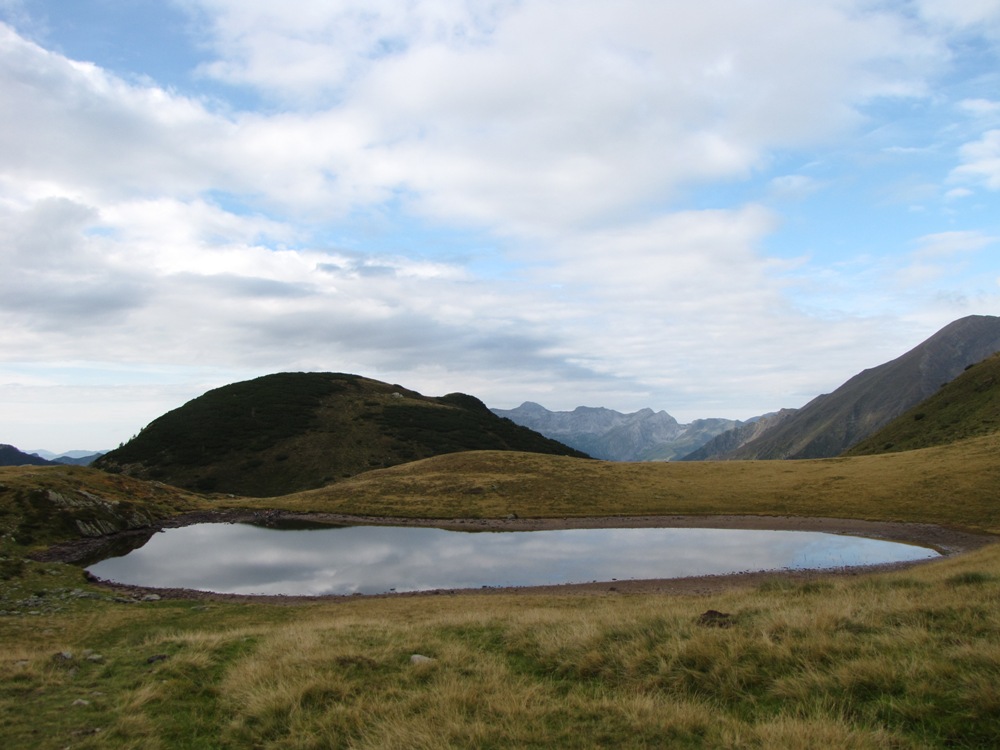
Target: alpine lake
[{"x": 241, "y": 558}]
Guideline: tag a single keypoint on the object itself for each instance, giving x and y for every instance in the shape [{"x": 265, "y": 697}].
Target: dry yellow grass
[
  {"x": 901, "y": 660},
  {"x": 952, "y": 485},
  {"x": 909, "y": 659}
]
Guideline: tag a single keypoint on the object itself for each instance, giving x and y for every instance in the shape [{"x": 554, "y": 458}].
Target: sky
[{"x": 717, "y": 209}]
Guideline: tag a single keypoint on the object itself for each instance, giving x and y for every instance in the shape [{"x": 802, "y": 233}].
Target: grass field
[
  {"x": 909, "y": 659},
  {"x": 951, "y": 485}
]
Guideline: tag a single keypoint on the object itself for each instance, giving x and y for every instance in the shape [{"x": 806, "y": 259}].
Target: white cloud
[
  {"x": 980, "y": 162},
  {"x": 552, "y": 114},
  {"x": 92, "y": 133},
  {"x": 794, "y": 186},
  {"x": 942, "y": 254},
  {"x": 160, "y": 229},
  {"x": 980, "y": 107},
  {"x": 948, "y": 244},
  {"x": 983, "y": 15},
  {"x": 522, "y": 118}
]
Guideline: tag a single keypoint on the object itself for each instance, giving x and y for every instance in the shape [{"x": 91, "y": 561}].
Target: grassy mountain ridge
[
  {"x": 292, "y": 431},
  {"x": 968, "y": 406}
]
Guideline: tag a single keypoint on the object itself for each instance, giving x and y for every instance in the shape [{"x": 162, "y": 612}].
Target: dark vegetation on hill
[
  {"x": 293, "y": 431},
  {"x": 11, "y": 456},
  {"x": 968, "y": 406}
]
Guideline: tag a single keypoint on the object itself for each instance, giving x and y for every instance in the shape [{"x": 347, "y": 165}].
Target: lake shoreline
[{"x": 946, "y": 541}]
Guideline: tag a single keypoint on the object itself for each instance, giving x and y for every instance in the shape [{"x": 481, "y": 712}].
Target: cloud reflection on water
[{"x": 243, "y": 559}]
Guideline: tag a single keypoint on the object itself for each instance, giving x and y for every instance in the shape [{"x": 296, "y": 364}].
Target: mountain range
[
  {"x": 644, "y": 435},
  {"x": 70, "y": 458},
  {"x": 825, "y": 427},
  {"x": 11, "y": 456}
]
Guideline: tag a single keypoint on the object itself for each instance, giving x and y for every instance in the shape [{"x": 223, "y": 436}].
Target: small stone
[
  {"x": 715, "y": 619},
  {"x": 81, "y": 702},
  {"x": 63, "y": 656},
  {"x": 95, "y": 658},
  {"x": 151, "y": 598},
  {"x": 421, "y": 659}
]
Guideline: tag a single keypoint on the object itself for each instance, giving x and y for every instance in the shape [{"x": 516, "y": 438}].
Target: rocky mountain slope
[
  {"x": 644, "y": 435},
  {"x": 738, "y": 436},
  {"x": 294, "y": 431},
  {"x": 967, "y": 407},
  {"x": 832, "y": 423}
]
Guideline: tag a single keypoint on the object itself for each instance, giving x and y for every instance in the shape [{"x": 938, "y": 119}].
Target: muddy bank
[{"x": 944, "y": 540}]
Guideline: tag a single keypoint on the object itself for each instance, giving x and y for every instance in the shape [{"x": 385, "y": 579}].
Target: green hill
[
  {"x": 968, "y": 406},
  {"x": 295, "y": 431}
]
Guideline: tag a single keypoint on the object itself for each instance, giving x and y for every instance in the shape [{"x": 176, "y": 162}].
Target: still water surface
[{"x": 245, "y": 559}]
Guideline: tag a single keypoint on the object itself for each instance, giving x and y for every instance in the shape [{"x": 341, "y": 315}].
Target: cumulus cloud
[
  {"x": 92, "y": 134},
  {"x": 160, "y": 227},
  {"x": 949, "y": 244},
  {"x": 980, "y": 162},
  {"x": 546, "y": 114},
  {"x": 980, "y": 107},
  {"x": 943, "y": 253},
  {"x": 522, "y": 118},
  {"x": 983, "y": 15}
]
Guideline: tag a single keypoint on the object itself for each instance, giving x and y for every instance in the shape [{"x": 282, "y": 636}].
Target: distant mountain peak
[{"x": 644, "y": 435}]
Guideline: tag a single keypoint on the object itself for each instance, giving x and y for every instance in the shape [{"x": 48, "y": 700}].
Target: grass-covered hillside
[
  {"x": 293, "y": 431},
  {"x": 952, "y": 485},
  {"x": 966, "y": 407}
]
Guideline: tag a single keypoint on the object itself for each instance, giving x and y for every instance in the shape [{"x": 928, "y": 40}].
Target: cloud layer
[{"x": 619, "y": 204}]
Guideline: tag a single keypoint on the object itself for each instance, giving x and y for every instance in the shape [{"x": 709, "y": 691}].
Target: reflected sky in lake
[{"x": 244, "y": 559}]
